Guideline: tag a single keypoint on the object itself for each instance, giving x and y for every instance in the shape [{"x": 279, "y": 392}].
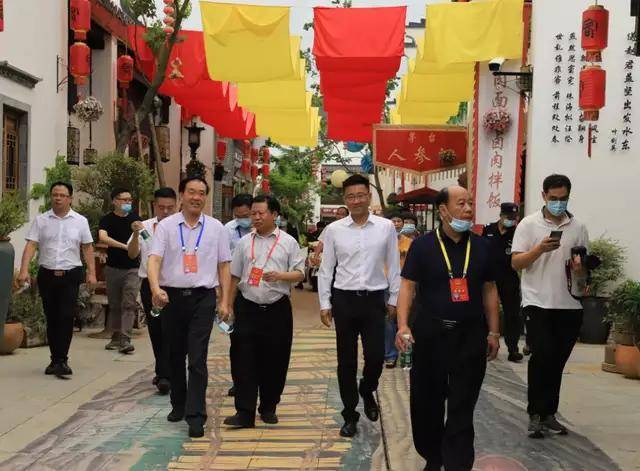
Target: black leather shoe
[
  {"x": 515, "y": 357},
  {"x": 196, "y": 430},
  {"x": 237, "y": 421},
  {"x": 232, "y": 391},
  {"x": 64, "y": 369},
  {"x": 349, "y": 429},
  {"x": 269, "y": 418},
  {"x": 370, "y": 407},
  {"x": 163, "y": 386},
  {"x": 176, "y": 415},
  {"x": 51, "y": 369}
]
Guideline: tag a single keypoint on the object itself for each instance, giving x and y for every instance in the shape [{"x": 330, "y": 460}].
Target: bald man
[{"x": 454, "y": 334}]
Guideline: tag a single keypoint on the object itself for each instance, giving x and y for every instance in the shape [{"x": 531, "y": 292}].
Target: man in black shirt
[
  {"x": 454, "y": 333},
  {"x": 500, "y": 234},
  {"x": 121, "y": 272}
]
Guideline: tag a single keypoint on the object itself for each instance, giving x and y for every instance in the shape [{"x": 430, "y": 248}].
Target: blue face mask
[
  {"x": 509, "y": 223},
  {"x": 460, "y": 225},
  {"x": 244, "y": 223},
  {"x": 408, "y": 229},
  {"x": 126, "y": 207},
  {"x": 557, "y": 208}
]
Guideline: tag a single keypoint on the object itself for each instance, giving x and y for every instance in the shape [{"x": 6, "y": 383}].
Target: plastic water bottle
[
  {"x": 223, "y": 326},
  {"x": 145, "y": 234},
  {"x": 155, "y": 311},
  {"x": 406, "y": 358}
]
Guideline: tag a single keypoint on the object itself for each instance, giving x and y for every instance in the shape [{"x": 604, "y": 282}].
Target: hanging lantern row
[
  {"x": 79, "y": 52},
  {"x": 266, "y": 188},
  {"x": 124, "y": 68},
  {"x": 264, "y": 154},
  {"x": 255, "y": 153},
  {"x": 245, "y": 167},
  {"x": 595, "y": 32},
  {"x": 80, "y": 62},
  {"x": 170, "y": 19},
  {"x": 221, "y": 150},
  {"x": 255, "y": 171},
  {"x": 80, "y": 18},
  {"x": 266, "y": 170}
]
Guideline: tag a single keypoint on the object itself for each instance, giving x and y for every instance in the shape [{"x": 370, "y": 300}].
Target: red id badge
[
  {"x": 255, "y": 276},
  {"x": 459, "y": 290},
  {"x": 190, "y": 263}
]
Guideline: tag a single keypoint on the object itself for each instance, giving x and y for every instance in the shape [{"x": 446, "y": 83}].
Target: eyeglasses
[{"x": 357, "y": 197}]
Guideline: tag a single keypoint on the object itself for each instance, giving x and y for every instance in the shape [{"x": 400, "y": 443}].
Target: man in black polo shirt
[
  {"x": 507, "y": 280},
  {"x": 454, "y": 334}
]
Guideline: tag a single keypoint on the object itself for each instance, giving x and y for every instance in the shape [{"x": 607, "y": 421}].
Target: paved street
[{"x": 108, "y": 416}]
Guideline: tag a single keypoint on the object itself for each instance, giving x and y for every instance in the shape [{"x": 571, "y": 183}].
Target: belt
[
  {"x": 185, "y": 292},
  {"x": 59, "y": 273},
  {"x": 449, "y": 324},
  {"x": 360, "y": 293},
  {"x": 264, "y": 307}
]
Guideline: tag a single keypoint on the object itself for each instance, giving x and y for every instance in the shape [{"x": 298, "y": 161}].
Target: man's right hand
[
  {"x": 160, "y": 298},
  {"x": 23, "y": 278},
  {"x": 137, "y": 226},
  {"x": 325, "y": 317},
  {"x": 401, "y": 343},
  {"x": 548, "y": 245}
]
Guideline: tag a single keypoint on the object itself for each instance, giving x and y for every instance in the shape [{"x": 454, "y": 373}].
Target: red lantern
[
  {"x": 80, "y": 13},
  {"x": 80, "y": 62},
  {"x": 593, "y": 82},
  {"x": 254, "y": 173},
  {"x": 125, "y": 70},
  {"x": 169, "y": 10},
  {"x": 265, "y": 154},
  {"x": 266, "y": 170},
  {"x": 595, "y": 32},
  {"x": 254, "y": 155},
  {"x": 221, "y": 150},
  {"x": 245, "y": 167},
  {"x": 266, "y": 188},
  {"x": 246, "y": 148}
]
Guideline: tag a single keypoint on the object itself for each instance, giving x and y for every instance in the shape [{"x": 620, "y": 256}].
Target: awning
[{"x": 423, "y": 195}]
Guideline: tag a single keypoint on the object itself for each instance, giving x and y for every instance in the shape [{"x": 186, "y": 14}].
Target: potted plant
[
  {"x": 603, "y": 279},
  {"x": 12, "y": 216},
  {"x": 624, "y": 312},
  {"x": 13, "y": 333}
]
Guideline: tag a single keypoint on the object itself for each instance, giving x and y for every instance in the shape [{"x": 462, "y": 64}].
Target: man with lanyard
[
  {"x": 500, "y": 234},
  {"x": 189, "y": 259},
  {"x": 454, "y": 334},
  {"x": 264, "y": 267},
  {"x": 359, "y": 248},
  {"x": 58, "y": 236},
  {"x": 164, "y": 205},
  {"x": 238, "y": 227},
  {"x": 121, "y": 273},
  {"x": 542, "y": 250}
]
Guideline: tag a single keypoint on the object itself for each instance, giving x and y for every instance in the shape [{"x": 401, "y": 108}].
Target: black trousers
[
  {"x": 188, "y": 320},
  {"x": 261, "y": 349},
  {"x": 509, "y": 292},
  {"x": 364, "y": 316},
  {"x": 551, "y": 333},
  {"x": 449, "y": 365},
  {"x": 59, "y": 300},
  {"x": 159, "y": 343}
]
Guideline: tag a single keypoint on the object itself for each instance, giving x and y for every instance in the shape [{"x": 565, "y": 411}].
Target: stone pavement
[{"x": 108, "y": 416}]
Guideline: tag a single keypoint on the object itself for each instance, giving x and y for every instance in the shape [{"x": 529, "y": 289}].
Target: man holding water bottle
[
  {"x": 454, "y": 334},
  {"x": 164, "y": 205},
  {"x": 265, "y": 265},
  {"x": 189, "y": 258}
]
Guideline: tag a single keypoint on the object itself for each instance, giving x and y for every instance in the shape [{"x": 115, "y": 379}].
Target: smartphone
[{"x": 556, "y": 235}]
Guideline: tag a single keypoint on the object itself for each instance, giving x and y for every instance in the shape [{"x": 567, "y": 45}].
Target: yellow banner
[
  {"x": 473, "y": 31},
  {"x": 281, "y": 94},
  {"x": 290, "y": 137},
  {"x": 437, "y": 88},
  {"x": 397, "y": 118}
]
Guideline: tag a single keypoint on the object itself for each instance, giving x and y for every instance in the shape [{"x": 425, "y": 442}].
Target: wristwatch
[{"x": 494, "y": 334}]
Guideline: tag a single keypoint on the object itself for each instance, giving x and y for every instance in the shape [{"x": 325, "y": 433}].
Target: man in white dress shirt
[
  {"x": 265, "y": 265},
  {"x": 359, "y": 247},
  {"x": 164, "y": 205},
  {"x": 189, "y": 259},
  {"x": 59, "y": 235}
]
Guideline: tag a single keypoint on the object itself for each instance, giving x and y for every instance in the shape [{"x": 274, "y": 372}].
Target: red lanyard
[{"x": 273, "y": 247}]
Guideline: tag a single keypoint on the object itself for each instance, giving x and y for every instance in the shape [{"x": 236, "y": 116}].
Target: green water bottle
[{"x": 406, "y": 358}]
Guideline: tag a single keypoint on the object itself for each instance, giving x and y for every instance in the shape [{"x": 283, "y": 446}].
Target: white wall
[
  {"x": 35, "y": 31},
  {"x": 605, "y": 193}
]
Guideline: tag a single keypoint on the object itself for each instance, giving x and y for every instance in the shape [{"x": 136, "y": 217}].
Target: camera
[
  {"x": 591, "y": 262},
  {"x": 496, "y": 63}
]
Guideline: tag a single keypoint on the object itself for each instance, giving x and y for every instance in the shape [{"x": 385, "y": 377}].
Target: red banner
[{"x": 419, "y": 149}]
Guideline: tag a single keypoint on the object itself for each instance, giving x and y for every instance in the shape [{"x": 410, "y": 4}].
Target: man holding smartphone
[{"x": 542, "y": 250}]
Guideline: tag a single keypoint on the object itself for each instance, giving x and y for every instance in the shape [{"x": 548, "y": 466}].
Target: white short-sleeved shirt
[
  {"x": 59, "y": 239},
  {"x": 145, "y": 245},
  {"x": 213, "y": 249},
  {"x": 544, "y": 283},
  {"x": 286, "y": 257}
]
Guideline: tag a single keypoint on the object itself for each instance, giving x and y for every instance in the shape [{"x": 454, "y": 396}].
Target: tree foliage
[{"x": 60, "y": 172}]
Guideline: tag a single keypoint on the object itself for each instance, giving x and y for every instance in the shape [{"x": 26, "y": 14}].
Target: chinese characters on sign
[
  {"x": 621, "y": 138},
  {"x": 495, "y": 179},
  {"x": 417, "y": 149}
]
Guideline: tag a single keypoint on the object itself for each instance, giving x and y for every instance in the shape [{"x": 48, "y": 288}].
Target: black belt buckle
[
  {"x": 264, "y": 307},
  {"x": 59, "y": 273}
]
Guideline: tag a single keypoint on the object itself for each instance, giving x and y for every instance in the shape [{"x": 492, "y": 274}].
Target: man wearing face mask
[
  {"x": 121, "y": 272},
  {"x": 409, "y": 226},
  {"x": 508, "y": 282},
  {"x": 542, "y": 250},
  {"x": 455, "y": 331},
  {"x": 240, "y": 225}
]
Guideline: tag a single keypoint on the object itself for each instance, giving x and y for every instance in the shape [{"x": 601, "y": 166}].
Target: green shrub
[
  {"x": 612, "y": 255},
  {"x": 13, "y": 214}
]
